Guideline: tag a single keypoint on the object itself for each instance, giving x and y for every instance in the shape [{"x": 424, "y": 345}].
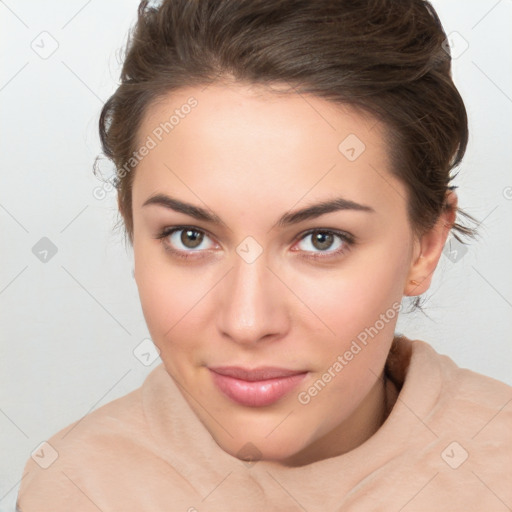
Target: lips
[
  {"x": 256, "y": 387},
  {"x": 262, "y": 373}
]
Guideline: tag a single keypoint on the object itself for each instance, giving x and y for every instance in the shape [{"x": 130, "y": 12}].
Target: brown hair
[{"x": 386, "y": 57}]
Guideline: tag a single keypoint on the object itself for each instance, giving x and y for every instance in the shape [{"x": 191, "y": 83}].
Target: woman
[{"x": 283, "y": 174}]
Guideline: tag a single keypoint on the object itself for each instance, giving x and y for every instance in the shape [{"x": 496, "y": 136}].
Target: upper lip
[{"x": 255, "y": 374}]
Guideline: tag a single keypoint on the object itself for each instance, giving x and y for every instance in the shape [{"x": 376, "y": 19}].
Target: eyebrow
[{"x": 310, "y": 212}]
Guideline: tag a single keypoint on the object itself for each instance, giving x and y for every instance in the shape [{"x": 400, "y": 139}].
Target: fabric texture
[{"x": 446, "y": 445}]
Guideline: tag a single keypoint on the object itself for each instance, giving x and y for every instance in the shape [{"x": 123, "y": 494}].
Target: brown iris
[
  {"x": 322, "y": 240},
  {"x": 191, "y": 238}
]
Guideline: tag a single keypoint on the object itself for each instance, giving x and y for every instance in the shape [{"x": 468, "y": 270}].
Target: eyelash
[{"x": 347, "y": 239}]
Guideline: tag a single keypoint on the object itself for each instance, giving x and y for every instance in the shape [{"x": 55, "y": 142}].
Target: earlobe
[
  {"x": 430, "y": 247},
  {"x": 422, "y": 271}
]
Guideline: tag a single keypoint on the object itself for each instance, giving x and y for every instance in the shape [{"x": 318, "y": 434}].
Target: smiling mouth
[{"x": 256, "y": 387}]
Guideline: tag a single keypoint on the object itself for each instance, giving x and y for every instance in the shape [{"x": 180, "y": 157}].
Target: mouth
[{"x": 256, "y": 387}]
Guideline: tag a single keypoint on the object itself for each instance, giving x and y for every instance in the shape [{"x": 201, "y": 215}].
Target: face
[{"x": 269, "y": 234}]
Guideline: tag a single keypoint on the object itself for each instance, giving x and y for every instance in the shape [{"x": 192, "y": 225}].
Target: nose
[{"x": 252, "y": 304}]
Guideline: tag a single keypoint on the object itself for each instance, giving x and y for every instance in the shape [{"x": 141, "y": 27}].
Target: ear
[{"x": 428, "y": 249}]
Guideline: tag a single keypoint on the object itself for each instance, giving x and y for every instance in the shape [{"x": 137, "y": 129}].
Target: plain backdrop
[{"x": 70, "y": 316}]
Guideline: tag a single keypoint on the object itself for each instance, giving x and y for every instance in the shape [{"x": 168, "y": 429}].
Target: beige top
[{"x": 446, "y": 445}]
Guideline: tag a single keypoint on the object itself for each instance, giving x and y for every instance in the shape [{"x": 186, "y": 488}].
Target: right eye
[{"x": 183, "y": 240}]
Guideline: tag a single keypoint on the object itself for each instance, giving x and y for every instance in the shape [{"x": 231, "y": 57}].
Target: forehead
[{"x": 250, "y": 145}]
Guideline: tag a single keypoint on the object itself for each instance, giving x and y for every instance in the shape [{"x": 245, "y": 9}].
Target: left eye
[
  {"x": 186, "y": 239},
  {"x": 321, "y": 241}
]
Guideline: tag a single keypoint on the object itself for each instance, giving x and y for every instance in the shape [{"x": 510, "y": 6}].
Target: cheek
[
  {"x": 359, "y": 305},
  {"x": 354, "y": 297},
  {"x": 167, "y": 293}
]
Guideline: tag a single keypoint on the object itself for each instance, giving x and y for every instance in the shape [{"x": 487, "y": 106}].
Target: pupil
[
  {"x": 322, "y": 240},
  {"x": 191, "y": 238}
]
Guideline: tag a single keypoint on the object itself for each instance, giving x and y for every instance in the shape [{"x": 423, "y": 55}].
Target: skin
[{"x": 250, "y": 155}]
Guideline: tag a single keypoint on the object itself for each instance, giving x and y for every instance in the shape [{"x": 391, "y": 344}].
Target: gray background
[{"x": 70, "y": 324}]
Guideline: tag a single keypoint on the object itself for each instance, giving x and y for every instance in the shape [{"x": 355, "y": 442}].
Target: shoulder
[
  {"x": 450, "y": 398},
  {"x": 463, "y": 392},
  {"x": 451, "y": 428},
  {"x": 455, "y": 396},
  {"x": 64, "y": 471},
  {"x": 471, "y": 429}
]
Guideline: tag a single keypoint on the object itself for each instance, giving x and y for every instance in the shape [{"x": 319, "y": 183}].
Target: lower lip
[{"x": 258, "y": 393}]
